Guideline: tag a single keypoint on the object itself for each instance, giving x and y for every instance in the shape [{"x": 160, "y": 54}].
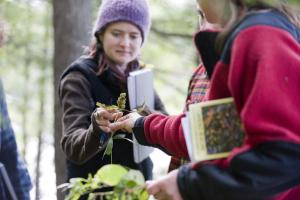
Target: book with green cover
[{"x": 214, "y": 129}]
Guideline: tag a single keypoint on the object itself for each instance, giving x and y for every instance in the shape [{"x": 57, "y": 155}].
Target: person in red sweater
[{"x": 259, "y": 67}]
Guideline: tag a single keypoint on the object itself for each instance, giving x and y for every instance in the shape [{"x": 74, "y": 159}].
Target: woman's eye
[
  {"x": 115, "y": 34},
  {"x": 201, "y": 14},
  {"x": 133, "y": 37}
]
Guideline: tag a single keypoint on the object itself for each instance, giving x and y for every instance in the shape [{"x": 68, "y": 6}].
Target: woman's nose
[{"x": 125, "y": 41}]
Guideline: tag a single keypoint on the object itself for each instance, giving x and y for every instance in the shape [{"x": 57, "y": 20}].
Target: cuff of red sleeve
[{"x": 138, "y": 131}]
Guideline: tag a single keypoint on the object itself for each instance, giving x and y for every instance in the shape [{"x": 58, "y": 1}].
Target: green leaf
[
  {"x": 111, "y": 174},
  {"x": 91, "y": 196},
  {"x": 76, "y": 180},
  {"x": 107, "y": 107},
  {"x": 131, "y": 184},
  {"x": 134, "y": 175},
  {"x": 143, "y": 195},
  {"x": 121, "y": 102},
  {"x": 109, "y": 147},
  {"x": 140, "y": 108}
]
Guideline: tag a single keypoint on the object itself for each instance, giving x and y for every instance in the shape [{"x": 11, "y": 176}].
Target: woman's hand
[
  {"x": 166, "y": 188},
  {"x": 104, "y": 118},
  {"x": 125, "y": 123}
]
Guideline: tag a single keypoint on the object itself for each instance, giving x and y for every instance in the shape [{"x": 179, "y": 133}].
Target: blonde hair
[
  {"x": 281, "y": 5},
  {"x": 238, "y": 9}
]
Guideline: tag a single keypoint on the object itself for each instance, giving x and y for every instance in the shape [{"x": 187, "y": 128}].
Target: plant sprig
[
  {"x": 121, "y": 102},
  {"x": 126, "y": 183},
  {"x": 121, "y": 105}
]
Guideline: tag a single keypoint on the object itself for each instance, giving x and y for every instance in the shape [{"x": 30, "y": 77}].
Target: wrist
[{"x": 138, "y": 131}]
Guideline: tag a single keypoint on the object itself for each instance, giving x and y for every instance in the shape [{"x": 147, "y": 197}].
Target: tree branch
[{"x": 170, "y": 34}]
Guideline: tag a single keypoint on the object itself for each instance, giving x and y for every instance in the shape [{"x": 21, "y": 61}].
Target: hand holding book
[{"x": 212, "y": 129}]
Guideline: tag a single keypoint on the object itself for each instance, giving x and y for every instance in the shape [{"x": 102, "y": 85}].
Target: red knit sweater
[{"x": 260, "y": 70}]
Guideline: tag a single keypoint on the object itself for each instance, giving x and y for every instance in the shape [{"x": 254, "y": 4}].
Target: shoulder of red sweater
[{"x": 260, "y": 24}]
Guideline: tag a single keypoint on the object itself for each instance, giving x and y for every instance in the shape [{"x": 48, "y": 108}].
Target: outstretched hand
[
  {"x": 125, "y": 123},
  {"x": 166, "y": 188},
  {"x": 104, "y": 118}
]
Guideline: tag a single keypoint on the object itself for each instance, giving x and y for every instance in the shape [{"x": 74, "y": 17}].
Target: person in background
[
  {"x": 120, "y": 31},
  {"x": 9, "y": 156},
  {"x": 199, "y": 82},
  {"x": 259, "y": 67}
]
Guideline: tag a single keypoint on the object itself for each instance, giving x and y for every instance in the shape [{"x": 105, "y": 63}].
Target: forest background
[{"x": 44, "y": 37}]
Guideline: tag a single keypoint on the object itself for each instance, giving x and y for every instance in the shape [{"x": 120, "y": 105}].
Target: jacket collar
[{"x": 205, "y": 43}]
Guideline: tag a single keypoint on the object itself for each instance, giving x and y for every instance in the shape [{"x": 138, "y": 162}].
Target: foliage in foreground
[
  {"x": 125, "y": 184},
  {"x": 114, "y": 182}
]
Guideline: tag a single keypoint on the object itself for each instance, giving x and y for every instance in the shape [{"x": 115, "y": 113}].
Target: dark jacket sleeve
[
  {"x": 260, "y": 173},
  {"x": 158, "y": 104},
  {"x": 81, "y": 137}
]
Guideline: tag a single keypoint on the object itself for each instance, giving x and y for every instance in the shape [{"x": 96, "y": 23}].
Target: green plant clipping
[
  {"x": 111, "y": 174},
  {"x": 127, "y": 184},
  {"x": 121, "y": 102},
  {"x": 109, "y": 148},
  {"x": 107, "y": 107},
  {"x": 121, "y": 105}
]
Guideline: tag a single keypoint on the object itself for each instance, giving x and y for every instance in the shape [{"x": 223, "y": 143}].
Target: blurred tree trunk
[
  {"x": 24, "y": 107},
  {"x": 26, "y": 92},
  {"x": 72, "y": 26},
  {"x": 42, "y": 83},
  {"x": 41, "y": 118}
]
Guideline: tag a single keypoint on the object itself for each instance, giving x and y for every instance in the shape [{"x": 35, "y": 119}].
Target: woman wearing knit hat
[{"x": 121, "y": 28}]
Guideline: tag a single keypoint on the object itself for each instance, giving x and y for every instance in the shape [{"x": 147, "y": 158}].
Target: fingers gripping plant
[{"x": 121, "y": 104}]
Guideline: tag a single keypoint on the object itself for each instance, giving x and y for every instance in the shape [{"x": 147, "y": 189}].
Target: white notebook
[
  {"x": 187, "y": 135},
  {"x": 140, "y": 91}
]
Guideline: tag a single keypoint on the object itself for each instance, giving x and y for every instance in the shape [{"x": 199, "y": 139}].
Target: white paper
[
  {"x": 187, "y": 136},
  {"x": 140, "y": 91}
]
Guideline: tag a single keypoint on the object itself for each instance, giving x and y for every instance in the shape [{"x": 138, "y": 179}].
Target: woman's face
[
  {"x": 204, "y": 24},
  {"x": 121, "y": 42},
  {"x": 213, "y": 10}
]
